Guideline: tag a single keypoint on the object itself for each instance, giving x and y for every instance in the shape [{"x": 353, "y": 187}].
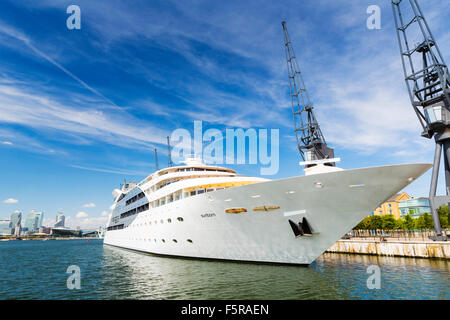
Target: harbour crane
[
  {"x": 428, "y": 83},
  {"x": 310, "y": 140}
]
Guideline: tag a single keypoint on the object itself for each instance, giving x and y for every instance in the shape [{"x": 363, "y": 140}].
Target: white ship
[{"x": 211, "y": 212}]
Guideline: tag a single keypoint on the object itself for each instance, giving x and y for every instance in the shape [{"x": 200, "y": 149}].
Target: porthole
[
  {"x": 169, "y": 220},
  {"x": 163, "y": 240},
  {"x": 162, "y": 221},
  {"x": 180, "y": 219},
  {"x": 175, "y": 240},
  {"x": 189, "y": 240}
]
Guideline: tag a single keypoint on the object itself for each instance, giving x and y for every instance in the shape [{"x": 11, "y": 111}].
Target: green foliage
[
  {"x": 407, "y": 222},
  {"x": 376, "y": 222},
  {"x": 387, "y": 222},
  {"x": 363, "y": 225},
  {"x": 425, "y": 221},
  {"x": 443, "y": 216}
]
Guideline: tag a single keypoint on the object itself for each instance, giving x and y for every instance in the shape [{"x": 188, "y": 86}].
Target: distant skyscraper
[
  {"x": 5, "y": 227},
  {"x": 39, "y": 219},
  {"x": 30, "y": 221},
  {"x": 34, "y": 220},
  {"x": 60, "y": 220},
  {"x": 16, "y": 219}
]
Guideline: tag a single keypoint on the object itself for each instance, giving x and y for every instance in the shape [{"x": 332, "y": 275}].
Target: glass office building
[{"x": 415, "y": 207}]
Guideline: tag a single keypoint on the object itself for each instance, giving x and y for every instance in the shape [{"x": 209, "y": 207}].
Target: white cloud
[
  {"x": 86, "y": 223},
  {"x": 10, "y": 201},
  {"x": 105, "y": 213},
  {"x": 89, "y": 205},
  {"x": 81, "y": 214},
  {"x": 9, "y": 143}
]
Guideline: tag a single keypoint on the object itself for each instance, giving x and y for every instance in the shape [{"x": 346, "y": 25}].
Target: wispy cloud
[
  {"x": 115, "y": 171},
  {"x": 89, "y": 205},
  {"x": 81, "y": 214},
  {"x": 12, "y": 32},
  {"x": 11, "y": 201}
]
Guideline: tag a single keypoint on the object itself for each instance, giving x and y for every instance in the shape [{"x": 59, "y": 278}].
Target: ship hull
[{"x": 332, "y": 203}]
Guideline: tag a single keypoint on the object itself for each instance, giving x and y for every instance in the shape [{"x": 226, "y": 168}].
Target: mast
[
  {"x": 310, "y": 140},
  {"x": 156, "y": 160},
  {"x": 428, "y": 84},
  {"x": 170, "y": 164}
]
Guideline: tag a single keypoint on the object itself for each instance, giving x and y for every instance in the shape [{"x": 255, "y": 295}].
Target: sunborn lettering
[{"x": 208, "y": 215}]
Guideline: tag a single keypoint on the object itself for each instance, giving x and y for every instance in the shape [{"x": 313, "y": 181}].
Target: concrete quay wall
[{"x": 414, "y": 249}]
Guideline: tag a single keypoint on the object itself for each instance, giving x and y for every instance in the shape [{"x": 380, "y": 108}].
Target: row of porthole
[
  {"x": 164, "y": 241},
  {"x": 180, "y": 219}
]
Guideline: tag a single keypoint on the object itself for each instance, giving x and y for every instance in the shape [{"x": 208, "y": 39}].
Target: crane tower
[
  {"x": 428, "y": 83},
  {"x": 310, "y": 140}
]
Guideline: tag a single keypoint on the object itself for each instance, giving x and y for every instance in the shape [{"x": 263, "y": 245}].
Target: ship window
[
  {"x": 186, "y": 194},
  {"x": 169, "y": 220},
  {"x": 209, "y": 190},
  {"x": 162, "y": 221},
  {"x": 189, "y": 240},
  {"x": 192, "y": 193},
  {"x": 200, "y": 191},
  {"x": 174, "y": 240},
  {"x": 180, "y": 219}
]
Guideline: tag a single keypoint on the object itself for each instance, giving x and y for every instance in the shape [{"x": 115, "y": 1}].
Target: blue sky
[{"x": 80, "y": 110}]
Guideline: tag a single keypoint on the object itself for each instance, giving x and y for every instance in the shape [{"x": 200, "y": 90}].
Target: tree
[
  {"x": 399, "y": 224},
  {"x": 388, "y": 222},
  {"x": 408, "y": 222},
  {"x": 425, "y": 221},
  {"x": 363, "y": 225},
  {"x": 443, "y": 216},
  {"x": 375, "y": 222}
]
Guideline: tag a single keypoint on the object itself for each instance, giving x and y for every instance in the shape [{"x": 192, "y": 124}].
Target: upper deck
[{"x": 174, "y": 183}]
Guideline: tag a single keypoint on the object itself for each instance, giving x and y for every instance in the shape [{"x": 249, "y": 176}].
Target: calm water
[{"x": 37, "y": 270}]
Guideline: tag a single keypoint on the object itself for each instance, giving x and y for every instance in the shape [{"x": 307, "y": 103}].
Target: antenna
[
  {"x": 428, "y": 83},
  {"x": 169, "y": 152},
  {"x": 310, "y": 140},
  {"x": 156, "y": 160}
]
